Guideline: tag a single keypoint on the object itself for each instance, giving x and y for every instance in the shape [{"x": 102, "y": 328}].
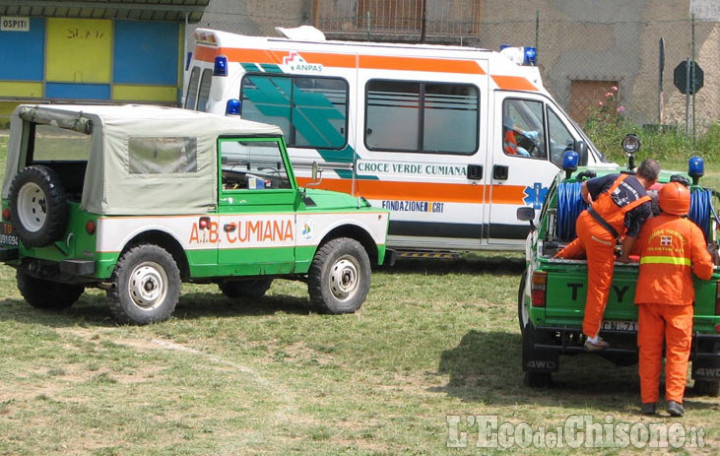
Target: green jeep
[
  {"x": 137, "y": 199},
  {"x": 551, "y": 298}
]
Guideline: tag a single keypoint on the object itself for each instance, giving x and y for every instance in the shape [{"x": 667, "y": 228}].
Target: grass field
[{"x": 433, "y": 352}]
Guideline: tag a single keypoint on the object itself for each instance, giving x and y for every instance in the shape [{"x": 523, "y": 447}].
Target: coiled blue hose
[
  {"x": 700, "y": 209},
  {"x": 570, "y": 205}
]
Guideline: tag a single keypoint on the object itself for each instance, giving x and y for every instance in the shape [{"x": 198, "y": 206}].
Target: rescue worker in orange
[
  {"x": 619, "y": 207},
  {"x": 671, "y": 248}
]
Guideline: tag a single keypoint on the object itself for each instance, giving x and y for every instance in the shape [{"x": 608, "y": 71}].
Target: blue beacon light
[
  {"x": 220, "y": 68},
  {"x": 696, "y": 168}
]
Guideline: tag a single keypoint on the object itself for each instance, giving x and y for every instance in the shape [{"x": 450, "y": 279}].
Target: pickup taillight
[{"x": 538, "y": 289}]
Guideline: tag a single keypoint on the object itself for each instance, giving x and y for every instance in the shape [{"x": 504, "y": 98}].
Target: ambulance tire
[
  {"x": 145, "y": 286},
  {"x": 254, "y": 288},
  {"x": 339, "y": 277},
  {"x": 38, "y": 206},
  {"x": 709, "y": 388},
  {"x": 46, "y": 294}
]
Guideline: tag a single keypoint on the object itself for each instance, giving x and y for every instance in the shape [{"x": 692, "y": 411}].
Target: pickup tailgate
[{"x": 567, "y": 290}]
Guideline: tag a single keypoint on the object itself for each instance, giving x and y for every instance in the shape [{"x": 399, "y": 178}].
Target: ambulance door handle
[
  {"x": 474, "y": 172},
  {"x": 500, "y": 172}
]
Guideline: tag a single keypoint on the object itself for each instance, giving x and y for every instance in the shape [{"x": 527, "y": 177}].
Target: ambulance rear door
[{"x": 529, "y": 140}]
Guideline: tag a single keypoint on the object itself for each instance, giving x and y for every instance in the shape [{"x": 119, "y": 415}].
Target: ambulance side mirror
[
  {"x": 581, "y": 148},
  {"x": 526, "y": 214}
]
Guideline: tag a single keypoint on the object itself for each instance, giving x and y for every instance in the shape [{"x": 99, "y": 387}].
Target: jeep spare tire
[{"x": 38, "y": 206}]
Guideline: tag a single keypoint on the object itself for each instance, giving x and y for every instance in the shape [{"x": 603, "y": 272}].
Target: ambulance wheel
[
  {"x": 235, "y": 289},
  {"x": 145, "y": 286},
  {"x": 707, "y": 388},
  {"x": 46, "y": 294},
  {"x": 339, "y": 276},
  {"x": 38, "y": 206}
]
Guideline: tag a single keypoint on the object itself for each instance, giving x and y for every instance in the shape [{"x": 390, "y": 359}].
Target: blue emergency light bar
[
  {"x": 523, "y": 55},
  {"x": 220, "y": 68},
  {"x": 530, "y": 56}
]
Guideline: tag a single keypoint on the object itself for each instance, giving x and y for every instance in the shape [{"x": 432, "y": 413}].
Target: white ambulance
[{"x": 452, "y": 140}]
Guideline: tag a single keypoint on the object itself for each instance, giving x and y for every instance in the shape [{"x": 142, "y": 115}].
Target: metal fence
[{"x": 596, "y": 65}]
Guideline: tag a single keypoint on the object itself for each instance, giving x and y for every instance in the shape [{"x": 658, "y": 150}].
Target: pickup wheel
[
  {"x": 523, "y": 317},
  {"x": 538, "y": 365},
  {"x": 707, "y": 388},
  {"x": 235, "y": 289},
  {"x": 46, "y": 294},
  {"x": 339, "y": 276},
  {"x": 537, "y": 379},
  {"x": 146, "y": 286},
  {"x": 38, "y": 206}
]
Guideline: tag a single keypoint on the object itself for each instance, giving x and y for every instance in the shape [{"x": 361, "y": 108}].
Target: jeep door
[{"x": 256, "y": 208}]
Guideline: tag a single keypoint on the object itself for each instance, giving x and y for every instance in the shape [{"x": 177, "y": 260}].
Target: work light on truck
[
  {"x": 570, "y": 162},
  {"x": 696, "y": 168},
  {"x": 538, "y": 288},
  {"x": 220, "y": 68}
]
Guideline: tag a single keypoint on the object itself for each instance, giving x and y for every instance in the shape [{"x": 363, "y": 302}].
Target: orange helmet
[{"x": 674, "y": 198}]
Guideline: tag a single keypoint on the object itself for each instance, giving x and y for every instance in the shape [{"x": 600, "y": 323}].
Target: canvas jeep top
[{"x": 136, "y": 199}]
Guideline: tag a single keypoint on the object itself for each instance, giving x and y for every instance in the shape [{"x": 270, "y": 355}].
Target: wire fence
[{"x": 594, "y": 65}]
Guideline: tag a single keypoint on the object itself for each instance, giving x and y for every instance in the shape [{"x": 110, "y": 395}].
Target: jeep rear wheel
[
  {"x": 339, "y": 277},
  {"x": 235, "y": 289},
  {"x": 46, "y": 294},
  {"x": 38, "y": 206},
  {"x": 146, "y": 286}
]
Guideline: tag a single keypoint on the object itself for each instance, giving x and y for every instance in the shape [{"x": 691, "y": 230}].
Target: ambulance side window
[
  {"x": 524, "y": 128},
  {"x": 191, "y": 95},
  {"x": 204, "y": 93},
  {"x": 312, "y": 111},
  {"x": 422, "y": 117}
]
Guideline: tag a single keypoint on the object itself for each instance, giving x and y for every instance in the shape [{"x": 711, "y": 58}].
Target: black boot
[{"x": 675, "y": 408}]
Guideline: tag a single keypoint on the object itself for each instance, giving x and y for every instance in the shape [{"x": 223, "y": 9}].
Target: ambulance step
[{"x": 409, "y": 254}]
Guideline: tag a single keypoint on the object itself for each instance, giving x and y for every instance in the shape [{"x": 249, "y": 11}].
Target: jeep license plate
[
  {"x": 8, "y": 238},
  {"x": 614, "y": 325}
]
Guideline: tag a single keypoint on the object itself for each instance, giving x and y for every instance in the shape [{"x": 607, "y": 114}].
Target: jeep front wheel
[
  {"x": 38, "y": 206},
  {"x": 339, "y": 277},
  {"x": 146, "y": 286},
  {"x": 46, "y": 294}
]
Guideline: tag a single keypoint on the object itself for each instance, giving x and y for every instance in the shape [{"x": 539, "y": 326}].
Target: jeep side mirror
[{"x": 315, "y": 176}]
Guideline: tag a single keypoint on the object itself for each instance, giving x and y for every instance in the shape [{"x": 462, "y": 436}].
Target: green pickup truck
[
  {"x": 551, "y": 297},
  {"x": 137, "y": 199}
]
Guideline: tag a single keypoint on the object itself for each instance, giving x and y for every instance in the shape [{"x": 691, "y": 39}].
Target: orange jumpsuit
[
  {"x": 671, "y": 248},
  {"x": 596, "y": 241},
  {"x": 510, "y": 143}
]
